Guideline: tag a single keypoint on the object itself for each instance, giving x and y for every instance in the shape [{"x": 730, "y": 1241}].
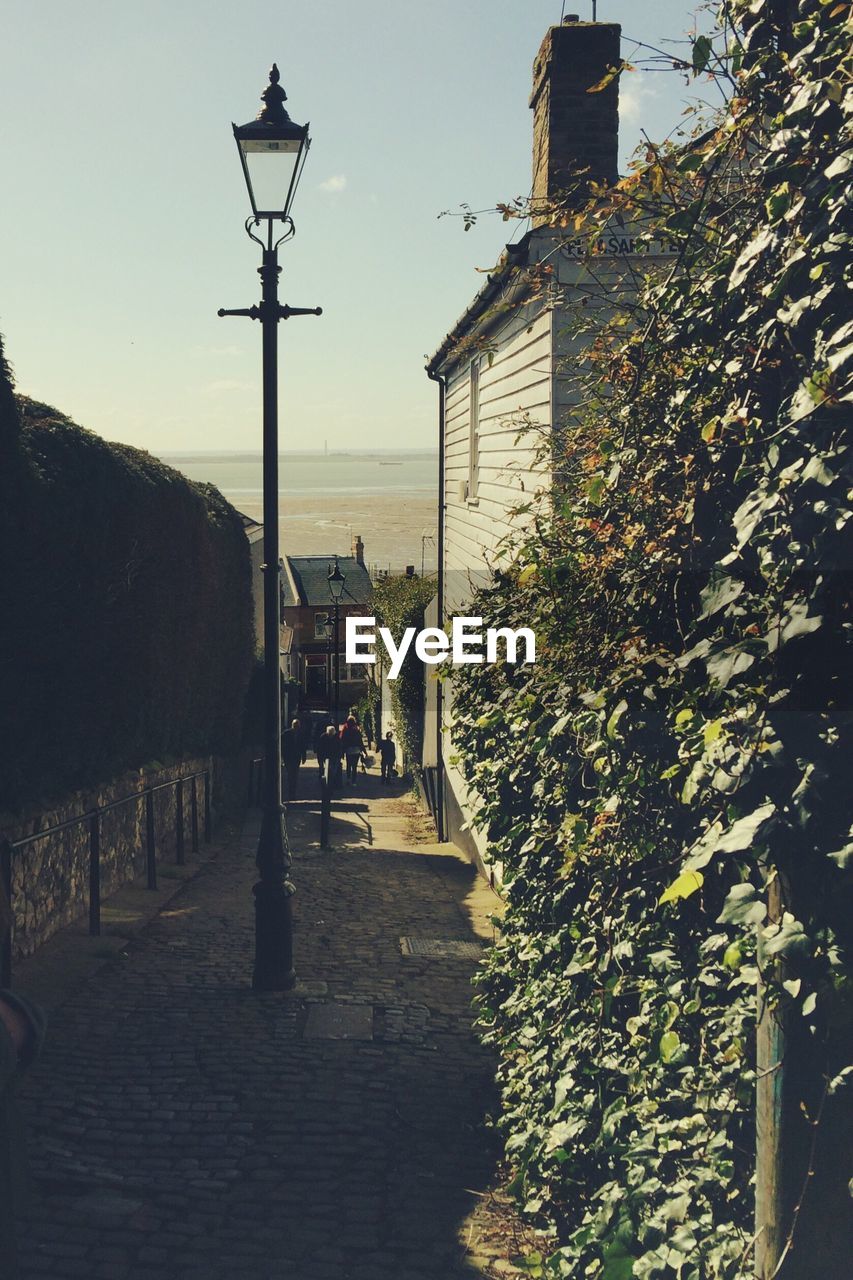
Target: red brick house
[{"x": 308, "y": 609}]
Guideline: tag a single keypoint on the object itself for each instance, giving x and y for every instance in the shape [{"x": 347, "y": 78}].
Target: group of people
[
  {"x": 346, "y": 747},
  {"x": 334, "y": 748}
]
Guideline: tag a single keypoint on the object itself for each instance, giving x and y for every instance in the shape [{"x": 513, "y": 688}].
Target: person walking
[
  {"x": 302, "y": 736},
  {"x": 328, "y": 752},
  {"x": 368, "y": 728},
  {"x": 292, "y": 756},
  {"x": 352, "y": 745},
  {"x": 388, "y": 755}
]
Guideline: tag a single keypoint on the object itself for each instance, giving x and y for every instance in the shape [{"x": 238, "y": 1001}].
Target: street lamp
[
  {"x": 337, "y": 581},
  {"x": 328, "y": 629},
  {"x": 425, "y": 538},
  {"x": 272, "y": 153}
]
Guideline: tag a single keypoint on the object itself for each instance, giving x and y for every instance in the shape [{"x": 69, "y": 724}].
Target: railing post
[
  {"x": 150, "y": 851},
  {"x": 95, "y": 873},
  {"x": 208, "y": 831},
  {"x": 6, "y": 881},
  {"x": 194, "y": 816},
  {"x": 250, "y": 794},
  {"x": 325, "y": 806},
  {"x": 179, "y": 823}
]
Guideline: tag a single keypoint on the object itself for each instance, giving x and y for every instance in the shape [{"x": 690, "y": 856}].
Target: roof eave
[{"x": 510, "y": 259}]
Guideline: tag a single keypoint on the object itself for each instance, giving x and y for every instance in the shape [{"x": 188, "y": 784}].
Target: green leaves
[
  {"x": 739, "y": 835},
  {"x": 595, "y": 488},
  {"x": 787, "y": 939},
  {"x": 701, "y": 54},
  {"x": 618, "y": 1266},
  {"x": 743, "y": 906},
  {"x": 683, "y": 886},
  {"x": 689, "y": 731},
  {"x": 778, "y": 202},
  {"x": 669, "y": 1046},
  {"x": 614, "y": 718}
]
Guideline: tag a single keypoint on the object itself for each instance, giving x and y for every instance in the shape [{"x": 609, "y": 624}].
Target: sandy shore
[{"x": 391, "y": 525}]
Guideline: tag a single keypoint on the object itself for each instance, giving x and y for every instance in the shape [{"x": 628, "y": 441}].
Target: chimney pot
[{"x": 358, "y": 548}]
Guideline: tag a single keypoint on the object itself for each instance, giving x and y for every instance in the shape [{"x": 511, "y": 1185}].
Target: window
[
  {"x": 473, "y": 430},
  {"x": 320, "y": 620},
  {"x": 315, "y": 676},
  {"x": 351, "y": 672}
]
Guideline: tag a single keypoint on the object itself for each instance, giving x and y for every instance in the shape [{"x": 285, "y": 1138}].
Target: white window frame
[
  {"x": 474, "y": 430},
  {"x": 320, "y": 627},
  {"x": 351, "y": 672}
]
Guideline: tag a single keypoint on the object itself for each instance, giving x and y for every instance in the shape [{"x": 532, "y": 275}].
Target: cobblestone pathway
[{"x": 182, "y": 1126}]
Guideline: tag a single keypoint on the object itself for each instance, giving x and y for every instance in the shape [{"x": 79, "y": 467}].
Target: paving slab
[{"x": 339, "y": 1022}]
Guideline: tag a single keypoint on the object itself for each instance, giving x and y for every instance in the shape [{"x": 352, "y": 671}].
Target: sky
[{"x": 121, "y": 223}]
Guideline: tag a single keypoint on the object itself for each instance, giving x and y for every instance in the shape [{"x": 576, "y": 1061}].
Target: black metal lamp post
[
  {"x": 425, "y": 538},
  {"x": 272, "y": 152},
  {"x": 328, "y": 628},
  {"x": 337, "y": 581}
]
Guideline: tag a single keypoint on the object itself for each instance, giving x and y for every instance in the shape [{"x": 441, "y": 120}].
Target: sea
[{"x": 326, "y": 499}]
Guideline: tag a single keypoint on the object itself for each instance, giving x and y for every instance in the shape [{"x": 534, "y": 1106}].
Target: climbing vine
[
  {"x": 400, "y": 603},
  {"x": 683, "y": 741}
]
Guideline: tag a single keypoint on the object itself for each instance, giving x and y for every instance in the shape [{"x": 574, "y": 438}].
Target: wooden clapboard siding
[{"x": 514, "y": 389}]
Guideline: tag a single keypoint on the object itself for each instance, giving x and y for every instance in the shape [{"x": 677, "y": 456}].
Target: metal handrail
[
  {"x": 93, "y": 817},
  {"x": 256, "y": 780}
]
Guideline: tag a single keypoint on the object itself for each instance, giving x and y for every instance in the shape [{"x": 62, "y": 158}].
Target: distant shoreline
[
  {"x": 389, "y": 496},
  {"x": 357, "y": 455}
]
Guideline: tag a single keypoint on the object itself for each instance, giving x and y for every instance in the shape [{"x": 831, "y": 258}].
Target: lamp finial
[{"x": 273, "y": 98}]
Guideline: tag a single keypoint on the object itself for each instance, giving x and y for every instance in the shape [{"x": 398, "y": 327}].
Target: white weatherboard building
[{"x": 511, "y": 362}]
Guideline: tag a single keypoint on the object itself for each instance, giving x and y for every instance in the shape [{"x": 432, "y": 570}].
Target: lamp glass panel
[{"x": 270, "y": 165}]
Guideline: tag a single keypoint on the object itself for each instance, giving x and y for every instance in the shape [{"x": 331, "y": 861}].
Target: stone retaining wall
[{"x": 50, "y": 878}]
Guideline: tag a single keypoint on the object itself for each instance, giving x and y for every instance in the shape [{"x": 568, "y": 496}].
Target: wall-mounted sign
[{"x": 618, "y": 244}]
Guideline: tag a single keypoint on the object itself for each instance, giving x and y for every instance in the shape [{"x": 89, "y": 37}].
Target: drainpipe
[{"x": 439, "y": 773}]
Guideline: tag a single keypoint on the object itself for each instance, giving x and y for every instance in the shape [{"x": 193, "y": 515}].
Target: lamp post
[
  {"x": 425, "y": 538},
  {"x": 272, "y": 152},
  {"x": 328, "y": 629},
  {"x": 337, "y": 581}
]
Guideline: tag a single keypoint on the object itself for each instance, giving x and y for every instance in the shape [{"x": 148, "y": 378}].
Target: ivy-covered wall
[
  {"x": 126, "y": 632},
  {"x": 668, "y": 789},
  {"x": 399, "y": 603}
]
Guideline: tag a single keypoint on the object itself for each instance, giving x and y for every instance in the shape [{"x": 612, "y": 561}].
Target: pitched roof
[
  {"x": 514, "y": 256},
  {"x": 253, "y": 528},
  {"x": 307, "y": 581}
]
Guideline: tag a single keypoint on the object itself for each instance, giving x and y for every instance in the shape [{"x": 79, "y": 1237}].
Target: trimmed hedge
[{"x": 126, "y": 596}]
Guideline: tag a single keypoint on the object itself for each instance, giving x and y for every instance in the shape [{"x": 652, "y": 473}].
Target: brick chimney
[
  {"x": 358, "y": 548},
  {"x": 575, "y": 133}
]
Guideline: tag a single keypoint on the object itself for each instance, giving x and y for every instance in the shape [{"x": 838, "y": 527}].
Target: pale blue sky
[{"x": 121, "y": 224}]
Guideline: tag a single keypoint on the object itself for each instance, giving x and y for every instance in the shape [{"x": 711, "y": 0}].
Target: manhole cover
[
  {"x": 339, "y": 1022},
  {"x": 441, "y": 948}
]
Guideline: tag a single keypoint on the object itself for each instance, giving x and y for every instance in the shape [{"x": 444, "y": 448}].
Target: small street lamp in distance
[
  {"x": 426, "y": 537},
  {"x": 272, "y": 152}
]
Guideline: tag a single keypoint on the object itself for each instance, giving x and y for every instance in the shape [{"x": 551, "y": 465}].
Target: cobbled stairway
[{"x": 183, "y": 1127}]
